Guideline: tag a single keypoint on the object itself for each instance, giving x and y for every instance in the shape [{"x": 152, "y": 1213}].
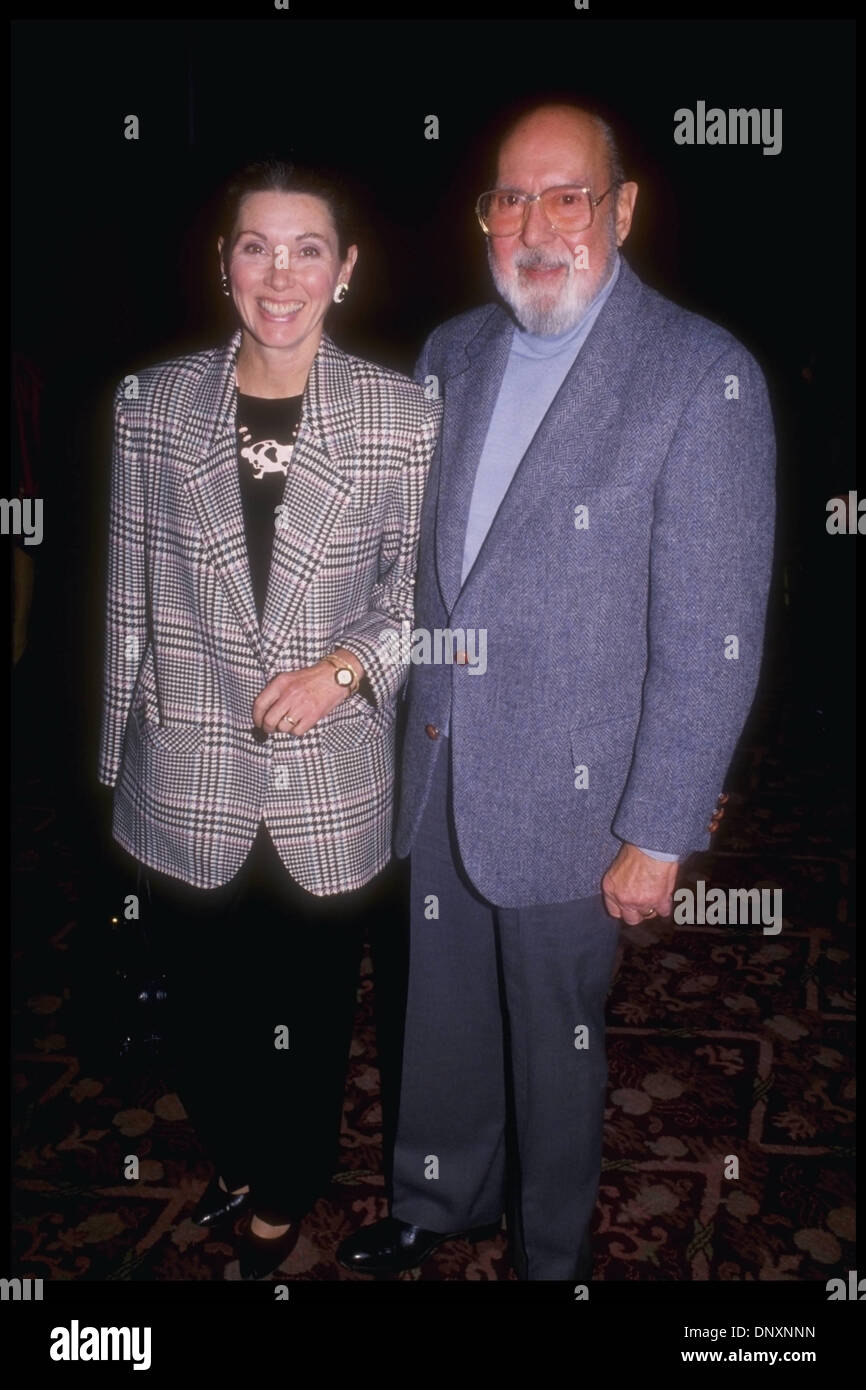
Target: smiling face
[
  {"x": 283, "y": 267},
  {"x": 534, "y": 270}
]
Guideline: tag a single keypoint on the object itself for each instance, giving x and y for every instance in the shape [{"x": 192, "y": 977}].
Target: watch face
[{"x": 344, "y": 676}]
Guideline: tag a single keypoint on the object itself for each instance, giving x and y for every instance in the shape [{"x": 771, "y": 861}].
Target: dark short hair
[{"x": 276, "y": 175}]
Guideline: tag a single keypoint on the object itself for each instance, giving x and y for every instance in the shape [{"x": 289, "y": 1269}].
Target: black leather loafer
[
  {"x": 390, "y": 1246},
  {"x": 260, "y": 1256},
  {"x": 217, "y": 1205}
]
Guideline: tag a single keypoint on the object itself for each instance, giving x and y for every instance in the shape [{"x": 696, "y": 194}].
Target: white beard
[{"x": 550, "y": 312}]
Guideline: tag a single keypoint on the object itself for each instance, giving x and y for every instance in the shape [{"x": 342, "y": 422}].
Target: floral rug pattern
[{"x": 729, "y": 1051}]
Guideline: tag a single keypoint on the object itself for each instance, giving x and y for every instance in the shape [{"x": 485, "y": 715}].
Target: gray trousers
[{"x": 504, "y": 1036}]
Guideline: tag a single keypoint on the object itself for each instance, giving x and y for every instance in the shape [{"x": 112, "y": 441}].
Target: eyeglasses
[{"x": 568, "y": 208}]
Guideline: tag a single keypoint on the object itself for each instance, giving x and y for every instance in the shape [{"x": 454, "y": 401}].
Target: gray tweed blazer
[{"x": 624, "y": 641}]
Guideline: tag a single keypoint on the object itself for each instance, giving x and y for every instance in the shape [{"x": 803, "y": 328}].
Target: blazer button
[
  {"x": 713, "y": 825},
  {"x": 431, "y": 731},
  {"x": 721, "y": 798}
]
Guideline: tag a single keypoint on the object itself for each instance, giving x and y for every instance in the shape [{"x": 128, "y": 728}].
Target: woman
[{"x": 265, "y": 507}]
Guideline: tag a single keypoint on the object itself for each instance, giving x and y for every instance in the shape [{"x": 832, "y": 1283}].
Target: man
[{"x": 601, "y": 506}]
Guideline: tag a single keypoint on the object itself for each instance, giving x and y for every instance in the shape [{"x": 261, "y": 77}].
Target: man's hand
[
  {"x": 294, "y": 701},
  {"x": 636, "y": 886}
]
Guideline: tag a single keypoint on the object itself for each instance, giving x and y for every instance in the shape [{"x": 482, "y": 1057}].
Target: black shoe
[
  {"x": 217, "y": 1205},
  {"x": 390, "y": 1246},
  {"x": 260, "y": 1256}
]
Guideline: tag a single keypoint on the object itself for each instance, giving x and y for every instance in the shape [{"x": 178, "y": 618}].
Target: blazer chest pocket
[
  {"x": 611, "y": 507},
  {"x": 359, "y": 514}
]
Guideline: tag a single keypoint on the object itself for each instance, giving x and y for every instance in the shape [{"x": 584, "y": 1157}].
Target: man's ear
[{"x": 626, "y": 199}]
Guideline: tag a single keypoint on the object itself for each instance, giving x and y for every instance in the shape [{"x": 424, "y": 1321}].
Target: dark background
[{"x": 114, "y": 262}]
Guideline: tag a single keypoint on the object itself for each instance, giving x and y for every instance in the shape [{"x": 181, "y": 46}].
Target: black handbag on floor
[
  {"x": 121, "y": 986},
  {"x": 142, "y": 993},
  {"x": 139, "y": 983}
]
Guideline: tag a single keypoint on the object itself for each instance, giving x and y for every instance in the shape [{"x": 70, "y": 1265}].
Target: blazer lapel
[
  {"x": 209, "y": 437},
  {"x": 319, "y": 480},
  {"x": 472, "y": 391},
  {"x": 568, "y": 439}
]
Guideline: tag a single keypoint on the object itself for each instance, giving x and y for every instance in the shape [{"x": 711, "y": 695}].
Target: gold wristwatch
[{"x": 344, "y": 674}]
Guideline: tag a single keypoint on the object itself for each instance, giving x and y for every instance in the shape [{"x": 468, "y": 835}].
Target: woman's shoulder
[
  {"x": 171, "y": 380},
  {"x": 385, "y": 386}
]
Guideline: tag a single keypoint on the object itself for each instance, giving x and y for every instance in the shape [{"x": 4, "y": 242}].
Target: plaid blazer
[{"x": 185, "y": 655}]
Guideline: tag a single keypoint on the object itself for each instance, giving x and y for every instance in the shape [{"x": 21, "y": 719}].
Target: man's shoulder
[
  {"x": 453, "y": 335},
  {"x": 685, "y": 336},
  {"x": 674, "y": 332}
]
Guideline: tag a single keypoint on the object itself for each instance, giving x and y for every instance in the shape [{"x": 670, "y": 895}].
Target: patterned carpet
[{"x": 722, "y": 1041}]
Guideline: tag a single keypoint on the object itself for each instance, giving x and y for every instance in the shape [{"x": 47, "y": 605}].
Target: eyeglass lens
[{"x": 568, "y": 209}]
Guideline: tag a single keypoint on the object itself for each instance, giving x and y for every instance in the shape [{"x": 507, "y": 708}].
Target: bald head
[{"x": 577, "y": 143}]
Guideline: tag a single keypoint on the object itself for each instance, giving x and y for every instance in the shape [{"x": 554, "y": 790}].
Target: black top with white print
[{"x": 266, "y": 433}]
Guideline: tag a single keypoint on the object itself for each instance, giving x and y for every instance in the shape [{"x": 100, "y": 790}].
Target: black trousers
[{"x": 253, "y": 966}]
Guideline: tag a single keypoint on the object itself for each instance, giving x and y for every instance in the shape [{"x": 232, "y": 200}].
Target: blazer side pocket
[
  {"x": 355, "y": 721},
  {"x": 601, "y": 756},
  {"x": 172, "y": 738}
]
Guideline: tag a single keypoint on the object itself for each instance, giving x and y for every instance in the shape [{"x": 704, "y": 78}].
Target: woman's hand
[{"x": 294, "y": 701}]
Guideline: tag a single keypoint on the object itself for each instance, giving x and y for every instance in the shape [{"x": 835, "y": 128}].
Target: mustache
[{"x": 537, "y": 260}]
